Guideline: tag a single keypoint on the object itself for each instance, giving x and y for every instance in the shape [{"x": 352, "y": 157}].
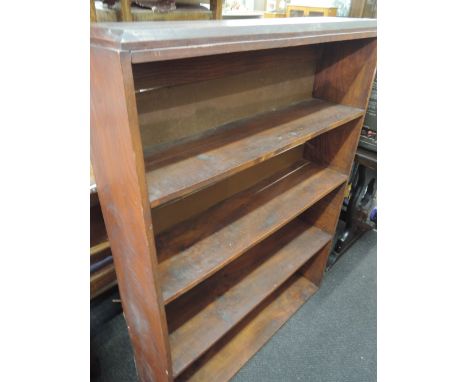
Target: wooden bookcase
[{"x": 221, "y": 150}]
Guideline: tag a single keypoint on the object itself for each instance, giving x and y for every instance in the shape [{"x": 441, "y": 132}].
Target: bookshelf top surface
[{"x": 150, "y": 41}]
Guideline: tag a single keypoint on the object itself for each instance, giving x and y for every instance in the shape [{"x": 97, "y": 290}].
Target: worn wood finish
[
  {"x": 183, "y": 168},
  {"x": 199, "y": 319},
  {"x": 223, "y": 260},
  {"x": 173, "y": 40},
  {"x": 314, "y": 269},
  {"x": 344, "y": 75},
  {"x": 346, "y": 72},
  {"x": 197, "y": 69},
  {"x": 335, "y": 148},
  {"x": 171, "y": 214},
  {"x": 195, "y": 249},
  {"x": 229, "y": 354},
  {"x": 119, "y": 170},
  {"x": 202, "y": 47},
  {"x": 168, "y": 215},
  {"x": 170, "y": 113},
  {"x": 323, "y": 215}
]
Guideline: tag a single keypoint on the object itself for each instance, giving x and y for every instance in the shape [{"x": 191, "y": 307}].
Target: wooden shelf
[
  {"x": 197, "y": 248},
  {"x": 201, "y": 317},
  {"x": 235, "y": 243},
  {"x": 189, "y": 165},
  {"x": 227, "y": 356},
  {"x": 319, "y": 181}
]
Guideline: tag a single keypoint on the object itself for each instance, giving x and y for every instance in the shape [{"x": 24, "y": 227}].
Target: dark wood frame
[{"x": 277, "y": 257}]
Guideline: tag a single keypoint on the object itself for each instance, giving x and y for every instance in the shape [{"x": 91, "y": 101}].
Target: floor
[{"x": 332, "y": 338}]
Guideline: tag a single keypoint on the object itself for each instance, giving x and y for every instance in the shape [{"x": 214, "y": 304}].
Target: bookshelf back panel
[
  {"x": 167, "y": 215},
  {"x": 184, "y": 105}
]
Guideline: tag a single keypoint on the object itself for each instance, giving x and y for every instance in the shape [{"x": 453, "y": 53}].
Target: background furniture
[
  {"x": 232, "y": 15},
  {"x": 359, "y": 211},
  {"x": 273, "y": 15},
  {"x": 301, "y": 11},
  {"x": 124, "y": 11},
  {"x": 368, "y": 139},
  {"x": 235, "y": 141},
  {"x": 363, "y": 8}
]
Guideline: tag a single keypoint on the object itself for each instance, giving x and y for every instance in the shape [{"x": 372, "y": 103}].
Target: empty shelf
[
  {"x": 229, "y": 354},
  {"x": 181, "y": 168},
  {"x": 195, "y": 249},
  {"x": 201, "y": 317}
]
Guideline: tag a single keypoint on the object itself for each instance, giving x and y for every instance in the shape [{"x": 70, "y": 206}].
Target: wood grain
[
  {"x": 336, "y": 148},
  {"x": 168, "y": 215},
  {"x": 197, "y": 69},
  {"x": 323, "y": 215},
  {"x": 314, "y": 269},
  {"x": 174, "y": 40},
  {"x": 202, "y": 47},
  {"x": 197, "y": 320},
  {"x": 195, "y": 249},
  {"x": 117, "y": 159},
  {"x": 194, "y": 164},
  {"x": 229, "y": 354},
  {"x": 346, "y": 72},
  {"x": 345, "y": 75},
  {"x": 175, "y": 112},
  {"x": 228, "y": 261}
]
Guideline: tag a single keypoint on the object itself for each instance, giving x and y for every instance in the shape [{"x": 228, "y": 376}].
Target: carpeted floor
[{"x": 332, "y": 338}]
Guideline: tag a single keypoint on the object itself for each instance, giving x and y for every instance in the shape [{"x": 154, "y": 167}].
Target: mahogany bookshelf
[{"x": 221, "y": 151}]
